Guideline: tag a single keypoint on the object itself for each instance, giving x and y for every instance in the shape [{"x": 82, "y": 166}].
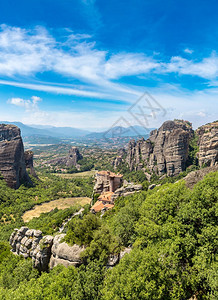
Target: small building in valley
[{"x": 104, "y": 202}]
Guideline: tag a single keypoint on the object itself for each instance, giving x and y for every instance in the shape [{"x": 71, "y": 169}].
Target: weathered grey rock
[
  {"x": 12, "y": 161},
  {"x": 126, "y": 191},
  {"x": 68, "y": 161},
  {"x": 28, "y": 155},
  {"x": 113, "y": 259},
  {"x": 148, "y": 176},
  {"x": 25, "y": 243},
  {"x": 30, "y": 232},
  {"x": 195, "y": 176},
  {"x": 22, "y": 230},
  {"x": 166, "y": 150},
  {"x": 64, "y": 254},
  {"x": 208, "y": 144},
  {"x": 37, "y": 233},
  {"x": 119, "y": 159}
]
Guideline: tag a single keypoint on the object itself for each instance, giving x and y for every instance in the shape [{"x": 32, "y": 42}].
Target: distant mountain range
[
  {"x": 45, "y": 134},
  {"x": 56, "y": 132},
  {"x": 119, "y": 131}
]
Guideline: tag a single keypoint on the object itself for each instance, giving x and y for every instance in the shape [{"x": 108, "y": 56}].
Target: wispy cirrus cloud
[{"x": 26, "y": 53}]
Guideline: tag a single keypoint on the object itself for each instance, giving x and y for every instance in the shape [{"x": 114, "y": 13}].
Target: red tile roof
[
  {"x": 98, "y": 206},
  {"x": 106, "y": 196}
]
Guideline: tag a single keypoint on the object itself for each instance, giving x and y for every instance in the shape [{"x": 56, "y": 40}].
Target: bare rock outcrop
[
  {"x": 208, "y": 144},
  {"x": 28, "y": 155},
  {"x": 30, "y": 243},
  {"x": 63, "y": 254},
  {"x": 71, "y": 160},
  {"x": 45, "y": 251},
  {"x": 126, "y": 191},
  {"x": 166, "y": 150},
  {"x": 12, "y": 160},
  {"x": 195, "y": 176},
  {"x": 119, "y": 158}
]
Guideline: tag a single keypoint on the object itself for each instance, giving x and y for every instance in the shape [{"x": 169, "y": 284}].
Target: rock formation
[
  {"x": 69, "y": 161},
  {"x": 208, "y": 144},
  {"x": 63, "y": 254},
  {"x": 166, "y": 150},
  {"x": 45, "y": 250},
  {"x": 195, "y": 176},
  {"x": 119, "y": 159},
  {"x": 12, "y": 161},
  {"x": 28, "y": 155},
  {"x": 48, "y": 251},
  {"x": 31, "y": 243},
  {"x": 73, "y": 157},
  {"x": 126, "y": 191}
]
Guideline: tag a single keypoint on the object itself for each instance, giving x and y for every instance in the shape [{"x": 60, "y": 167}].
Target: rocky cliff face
[
  {"x": 12, "y": 161},
  {"x": 64, "y": 254},
  {"x": 28, "y": 155},
  {"x": 208, "y": 144},
  {"x": 68, "y": 161},
  {"x": 45, "y": 250},
  {"x": 48, "y": 251},
  {"x": 73, "y": 157},
  {"x": 195, "y": 176},
  {"x": 166, "y": 150},
  {"x": 127, "y": 190},
  {"x": 30, "y": 243}
]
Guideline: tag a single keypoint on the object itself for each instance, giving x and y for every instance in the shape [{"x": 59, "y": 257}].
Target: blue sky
[{"x": 83, "y": 63}]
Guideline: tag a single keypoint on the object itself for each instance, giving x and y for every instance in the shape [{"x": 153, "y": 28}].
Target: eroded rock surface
[
  {"x": 64, "y": 254},
  {"x": 45, "y": 251},
  {"x": 126, "y": 191},
  {"x": 195, "y": 176},
  {"x": 28, "y": 155},
  {"x": 208, "y": 144},
  {"x": 71, "y": 160},
  {"x": 166, "y": 150},
  {"x": 12, "y": 160},
  {"x": 30, "y": 243}
]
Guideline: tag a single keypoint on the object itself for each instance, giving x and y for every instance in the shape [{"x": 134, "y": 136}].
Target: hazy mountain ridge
[{"x": 51, "y": 134}]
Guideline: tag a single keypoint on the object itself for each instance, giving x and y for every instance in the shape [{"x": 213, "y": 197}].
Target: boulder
[
  {"x": 64, "y": 254},
  {"x": 126, "y": 191}
]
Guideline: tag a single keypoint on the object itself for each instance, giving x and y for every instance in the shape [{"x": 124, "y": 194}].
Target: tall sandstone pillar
[{"x": 12, "y": 161}]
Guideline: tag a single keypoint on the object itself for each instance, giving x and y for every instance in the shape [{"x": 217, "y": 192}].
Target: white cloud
[
  {"x": 189, "y": 51},
  {"x": 28, "y": 52},
  {"x": 29, "y": 105},
  {"x": 55, "y": 89},
  {"x": 25, "y": 53}
]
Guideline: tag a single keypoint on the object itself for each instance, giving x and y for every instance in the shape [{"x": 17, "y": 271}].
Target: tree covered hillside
[{"x": 173, "y": 234}]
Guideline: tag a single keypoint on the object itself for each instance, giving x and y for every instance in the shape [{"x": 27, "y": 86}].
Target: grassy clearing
[
  {"x": 61, "y": 203},
  {"x": 81, "y": 174}
]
